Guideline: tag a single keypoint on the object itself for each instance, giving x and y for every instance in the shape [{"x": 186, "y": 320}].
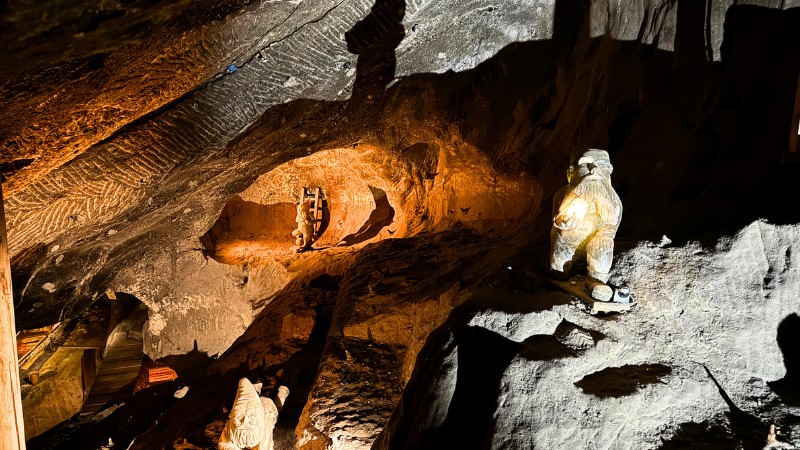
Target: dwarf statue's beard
[
  {"x": 247, "y": 436},
  {"x": 593, "y": 187}
]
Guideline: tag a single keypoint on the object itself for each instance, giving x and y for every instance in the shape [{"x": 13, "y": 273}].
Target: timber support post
[{"x": 12, "y": 429}]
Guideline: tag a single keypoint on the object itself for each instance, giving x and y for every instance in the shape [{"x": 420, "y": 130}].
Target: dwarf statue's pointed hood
[{"x": 247, "y": 397}]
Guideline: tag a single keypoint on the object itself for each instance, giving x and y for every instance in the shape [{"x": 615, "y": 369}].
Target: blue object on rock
[{"x": 232, "y": 68}]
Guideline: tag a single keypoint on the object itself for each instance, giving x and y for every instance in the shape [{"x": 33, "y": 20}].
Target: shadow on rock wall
[{"x": 788, "y": 388}]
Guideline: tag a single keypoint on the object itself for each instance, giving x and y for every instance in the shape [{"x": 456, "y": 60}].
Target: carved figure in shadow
[{"x": 586, "y": 215}]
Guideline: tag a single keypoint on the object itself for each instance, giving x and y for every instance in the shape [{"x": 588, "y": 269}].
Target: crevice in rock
[
  {"x": 9, "y": 167},
  {"x": 483, "y": 356},
  {"x": 326, "y": 282},
  {"x": 426, "y": 399},
  {"x": 297, "y": 29},
  {"x": 510, "y": 301},
  {"x": 301, "y": 370},
  {"x": 748, "y": 430},
  {"x": 622, "y": 381}
]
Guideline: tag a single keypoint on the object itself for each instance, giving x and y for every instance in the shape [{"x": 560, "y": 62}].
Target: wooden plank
[
  {"x": 12, "y": 429},
  {"x": 129, "y": 343},
  {"x": 123, "y": 392},
  {"x": 113, "y": 378},
  {"x": 27, "y": 340},
  {"x": 126, "y": 344},
  {"x": 318, "y": 210},
  {"x": 116, "y": 362},
  {"x": 125, "y": 348},
  {"x": 112, "y": 386},
  {"x": 117, "y": 375},
  {"x": 575, "y": 287},
  {"x": 119, "y": 355},
  {"x": 103, "y": 383},
  {"x": 122, "y": 362},
  {"x": 595, "y": 306},
  {"x": 121, "y": 370},
  {"x": 27, "y": 361},
  {"x": 110, "y": 379},
  {"x": 123, "y": 351},
  {"x": 112, "y": 391}
]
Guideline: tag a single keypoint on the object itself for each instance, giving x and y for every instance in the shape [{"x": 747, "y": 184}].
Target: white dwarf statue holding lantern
[{"x": 586, "y": 215}]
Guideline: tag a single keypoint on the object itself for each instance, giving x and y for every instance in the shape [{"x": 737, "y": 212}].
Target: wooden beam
[
  {"x": 794, "y": 134},
  {"x": 12, "y": 431}
]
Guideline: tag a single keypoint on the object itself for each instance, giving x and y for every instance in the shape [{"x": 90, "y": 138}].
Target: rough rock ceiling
[{"x": 138, "y": 134}]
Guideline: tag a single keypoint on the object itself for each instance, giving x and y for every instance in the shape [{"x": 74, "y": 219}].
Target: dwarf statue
[
  {"x": 586, "y": 215},
  {"x": 252, "y": 418},
  {"x": 304, "y": 234}
]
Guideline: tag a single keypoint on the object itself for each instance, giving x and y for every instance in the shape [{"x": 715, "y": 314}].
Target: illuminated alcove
[
  {"x": 368, "y": 195},
  {"x": 256, "y": 224}
]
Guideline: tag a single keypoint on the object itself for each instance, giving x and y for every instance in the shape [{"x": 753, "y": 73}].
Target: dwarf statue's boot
[{"x": 597, "y": 287}]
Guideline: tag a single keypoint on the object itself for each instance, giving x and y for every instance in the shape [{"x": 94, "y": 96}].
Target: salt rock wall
[
  {"x": 196, "y": 303},
  {"x": 703, "y": 360},
  {"x": 183, "y": 121},
  {"x": 143, "y": 190}
]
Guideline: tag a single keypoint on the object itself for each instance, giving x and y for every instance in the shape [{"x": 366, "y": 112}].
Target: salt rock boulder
[{"x": 706, "y": 358}]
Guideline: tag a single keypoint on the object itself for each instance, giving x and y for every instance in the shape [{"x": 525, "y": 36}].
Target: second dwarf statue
[
  {"x": 586, "y": 215},
  {"x": 304, "y": 234},
  {"x": 252, "y": 419}
]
